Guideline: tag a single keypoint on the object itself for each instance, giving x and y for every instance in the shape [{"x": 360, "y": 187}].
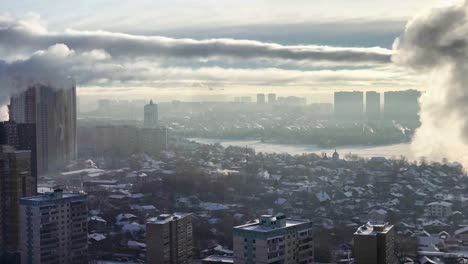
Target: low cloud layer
[
  {"x": 30, "y": 53},
  {"x": 30, "y": 34},
  {"x": 435, "y": 43}
]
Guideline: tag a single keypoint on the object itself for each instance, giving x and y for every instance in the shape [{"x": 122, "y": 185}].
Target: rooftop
[
  {"x": 220, "y": 259},
  {"x": 57, "y": 195},
  {"x": 372, "y": 230},
  {"x": 257, "y": 226},
  {"x": 166, "y": 218}
]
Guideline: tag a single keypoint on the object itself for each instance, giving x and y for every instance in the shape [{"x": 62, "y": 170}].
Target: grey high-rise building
[
  {"x": 53, "y": 111},
  {"x": 373, "y": 105},
  {"x": 260, "y": 98},
  {"x": 22, "y": 137},
  {"x": 54, "y": 228},
  {"x": 402, "y": 105},
  {"x": 151, "y": 115},
  {"x": 374, "y": 244},
  {"x": 169, "y": 239},
  {"x": 16, "y": 182},
  {"x": 271, "y": 98},
  {"x": 349, "y": 105}
]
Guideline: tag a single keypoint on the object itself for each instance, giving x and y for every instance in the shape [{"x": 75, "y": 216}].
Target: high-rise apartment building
[
  {"x": 373, "y": 105},
  {"x": 153, "y": 140},
  {"x": 374, "y": 244},
  {"x": 402, "y": 105},
  {"x": 53, "y": 111},
  {"x": 16, "y": 182},
  {"x": 260, "y": 98},
  {"x": 116, "y": 140},
  {"x": 349, "y": 105},
  {"x": 151, "y": 115},
  {"x": 22, "y": 137},
  {"x": 274, "y": 239},
  {"x": 169, "y": 239},
  {"x": 54, "y": 228},
  {"x": 271, "y": 98}
]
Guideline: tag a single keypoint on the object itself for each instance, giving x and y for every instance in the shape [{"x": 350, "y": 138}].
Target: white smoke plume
[{"x": 435, "y": 43}]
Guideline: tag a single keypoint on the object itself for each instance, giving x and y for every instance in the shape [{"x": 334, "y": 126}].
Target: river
[{"x": 387, "y": 151}]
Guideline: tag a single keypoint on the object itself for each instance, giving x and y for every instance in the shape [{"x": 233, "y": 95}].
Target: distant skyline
[{"x": 71, "y": 38}]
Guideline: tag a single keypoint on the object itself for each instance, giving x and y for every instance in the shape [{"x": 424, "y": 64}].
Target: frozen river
[{"x": 387, "y": 151}]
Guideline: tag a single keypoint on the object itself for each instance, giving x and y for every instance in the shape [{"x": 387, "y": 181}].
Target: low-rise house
[{"x": 439, "y": 209}]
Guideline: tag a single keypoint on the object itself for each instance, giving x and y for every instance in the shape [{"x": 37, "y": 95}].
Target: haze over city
[{"x": 241, "y": 124}]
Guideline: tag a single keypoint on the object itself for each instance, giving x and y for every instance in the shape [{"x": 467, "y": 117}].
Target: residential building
[
  {"x": 54, "y": 228},
  {"x": 116, "y": 140},
  {"x": 373, "y": 105},
  {"x": 402, "y": 105},
  {"x": 169, "y": 239},
  {"x": 349, "y": 105},
  {"x": 439, "y": 209},
  {"x": 151, "y": 115},
  {"x": 153, "y": 140},
  {"x": 260, "y": 98},
  {"x": 274, "y": 239},
  {"x": 375, "y": 244},
  {"x": 16, "y": 181},
  {"x": 127, "y": 140},
  {"x": 217, "y": 259},
  {"x": 21, "y": 137},
  {"x": 53, "y": 111},
  {"x": 271, "y": 98}
]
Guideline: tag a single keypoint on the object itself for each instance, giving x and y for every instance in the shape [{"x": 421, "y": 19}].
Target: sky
[{"x": 204, "y": 49}]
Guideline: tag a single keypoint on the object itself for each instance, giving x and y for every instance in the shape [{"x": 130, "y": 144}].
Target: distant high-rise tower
[
  {"x": 151, "y": 115},
  {"x": 402, "y": 105},
  {"x": 349, "y": 105},
  {"x": 16, "y": 182},
  {"x": 54, "y": 228},
  {"x": 374, "y": 244},
  {"x": 54, "y": 113},
  {"x": 169, "y": 239},
  {"x": 271, "y": 98},
  {"x": 260, "y": 98},
  {"x": 373, "y": 105}
]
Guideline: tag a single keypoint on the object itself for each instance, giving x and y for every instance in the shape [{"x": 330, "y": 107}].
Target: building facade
[
  {"x": 22, "y": 137},
  {"x": 169, "y": 239},
  {"x": 54, "y": 228},
  {"x": 153, "y": 140},
  {"x": 274, "y": 239},
  {"x": 440, "y": 209},
  {"x": 151, "y": 115},
  {"x": 260, "y": 98},
  {"x": 349, "y": 105},
  {"x": 127, "y": 140},
  {"x": 16, "y": 182},
  {"x": 373, "y": 105},
  {"x": 402, "y": 105},
  {"x": 271, "y": 98},
  {"x": 375, "y": 244},
  {"x": 53, "y": 111}
]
